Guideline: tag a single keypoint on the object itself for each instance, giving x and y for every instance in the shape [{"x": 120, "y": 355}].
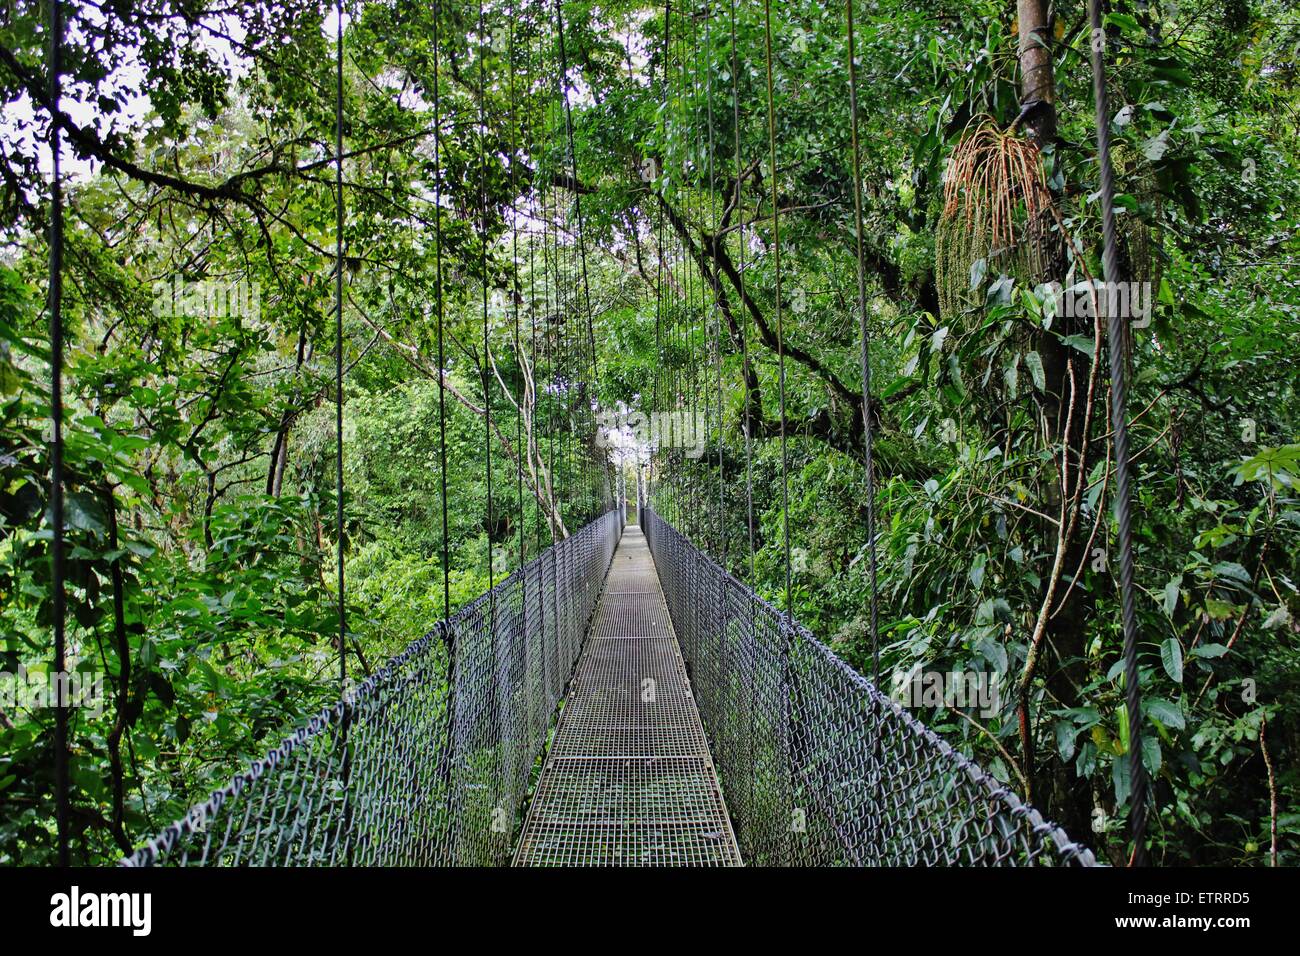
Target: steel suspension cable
[
  {"x": 514, "y": 283},
  {"x": 448, "y": 634},
  {"x": 559, "y": 345},
  {"x": 660, "y": 384},
  {"x": 555, "y": 342},
  {"x": 1123, "y": 504},
  {"x": 345, "y": 725},
  {"x": 717, "y": 309},
  {"x": 550, "y": 270},
  {"x": 438, "y": 305},
  {"x": 564, "y": 334},
  {"x": 535, "y": 401},
  {"x": 338, "y": 341},
  {"x": 577, "y": 192},
  {"x": 483, "y": 267},
  {"x": 864, "y": 335},
  {"x": 740, "y": 274},
  {"x": 692, "y": 288},
  {"x": 533, "y": 444},
  {"x": 780, "y": 336},
  {"x": 682, "y": 297},
  {"x": 62, "y": 800},
  {"x": 555, "y": 360},
  {"x": 701, "y": 280}
]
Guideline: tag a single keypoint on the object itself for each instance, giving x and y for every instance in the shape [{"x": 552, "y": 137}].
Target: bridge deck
[{"x": 629, "y": 780}]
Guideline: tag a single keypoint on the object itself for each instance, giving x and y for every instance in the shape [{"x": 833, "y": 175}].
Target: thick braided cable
[{"x": 1123, "y": 469}]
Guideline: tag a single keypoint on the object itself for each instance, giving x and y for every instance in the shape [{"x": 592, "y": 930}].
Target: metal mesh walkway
[{"x": 629, "y": 780}]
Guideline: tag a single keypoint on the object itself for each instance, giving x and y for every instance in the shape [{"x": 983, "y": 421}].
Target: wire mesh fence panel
[
  {"x": 427, "y": 762},
  {"x": 818, "y": 767}
]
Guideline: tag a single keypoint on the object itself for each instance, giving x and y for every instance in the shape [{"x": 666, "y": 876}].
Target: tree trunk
[
  {"x": 1065, "y": 409},
  {"x": 1037, "y": 82},
  {"x": 280, "y": 449}
]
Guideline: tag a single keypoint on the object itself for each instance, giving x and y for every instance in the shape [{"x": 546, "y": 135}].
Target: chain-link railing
[
  {"x": 428, "y": 761},
  {"x": 819, "y": 768}
]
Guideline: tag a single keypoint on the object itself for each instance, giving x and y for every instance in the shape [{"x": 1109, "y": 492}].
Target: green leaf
[
  {"x": 1220, "y": 610},
  {"x": 1232, "y": 571},
  {"x": 1170, "y": 70},
  {"x": 1065, "y": 737},
  {"x": 1081, "y": 343},
  {"x": 83, "y": 512},
  {"x": 1119, "y": 776},
  {"x": 1011, "y": 377},
  {"x": 1167, "y": 712},
  {"x": 1151, "y": 754},
  {"x": 1156, "y": 147},
  {"x": 1125, "y": 22},
  {"x": 1171, "y": 594},
  {"x": 993, "y": 652},
  {"x": 1034, "y": 362},
  {"x": 1280, "y": 466},
  {"x": 1171, "y": 655}
]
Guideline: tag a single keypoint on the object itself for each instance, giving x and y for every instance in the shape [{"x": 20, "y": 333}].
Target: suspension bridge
[
  {"x": 700, "y": 727},
  {"x": 620, "y": 698}
]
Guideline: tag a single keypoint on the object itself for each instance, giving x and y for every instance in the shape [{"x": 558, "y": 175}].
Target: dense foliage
[{"x": 201, "y": 441}]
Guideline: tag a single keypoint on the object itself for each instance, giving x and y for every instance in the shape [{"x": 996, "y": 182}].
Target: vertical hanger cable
[
  {"x": 514, "y": 282},
  {"x": 483, "y": 268},
  {"x": 716, "y": 307},
  {"x": 62, "y": 799},
  {"x": 780, "y": 337},
  {"x": 438, "y": 305},
  {"x": 746, "y": 370},
  {"x": 338, "y": 342},
  {"x": 1123, "y": 503},
  {"x": 864, "y": 338}
]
